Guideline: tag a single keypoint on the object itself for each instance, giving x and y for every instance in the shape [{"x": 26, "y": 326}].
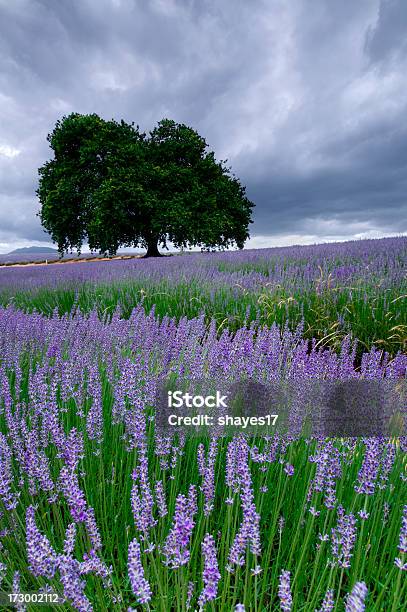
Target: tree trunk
[{"x": 152, "y": 249}]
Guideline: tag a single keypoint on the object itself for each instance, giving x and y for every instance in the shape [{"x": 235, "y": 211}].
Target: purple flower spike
[
  {"x": 403, "y": 532},
  {"x": 328, "y": 602},
  {"x": 69, "y": 542},
  {"x": 211, "y": 575},
  {"x": 343, "y": 539},
  {"x": 3, "y": 570},
  {"x": 355, "y": 601},
  {"x": 284, "y": 591},
  {"x": 92, "y": 529},
  {"x": 17, "y": 589},
  {"x": 10, "y": 499},
  {"x": 402, "y": 546},
  {"x": 41, "y": 556},
  {"x": 190, "y": 592},
  {"x": 249, "y": 530},
  {"x": 160, "y": 498},
  {"x": 73, "y": 494},
  {"x": 367, "y": 476},
  {"x": 175, "y": 548},
  {"x": 73, "y": 585},
  {"x": 139, "y": 584}
]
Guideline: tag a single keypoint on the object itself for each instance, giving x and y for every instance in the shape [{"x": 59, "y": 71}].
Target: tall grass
[{"x": 372, "y": 316}]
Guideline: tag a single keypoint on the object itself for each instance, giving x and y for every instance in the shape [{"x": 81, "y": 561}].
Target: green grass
[
  {"x": 106, "y": 480},
  {"x": 372, "y": 316}
]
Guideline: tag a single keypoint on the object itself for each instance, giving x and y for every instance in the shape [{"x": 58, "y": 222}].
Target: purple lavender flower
[
  {"x": 398, "y": 562},
  {"x": 94, "y": 417},
  {"x": 402, "y": 546},
  {"x": 284, "y": 591},
  {"x": 92, "y": 564},
  {"x": 176, "y": 545},
  {"x": 192, "y": 500},
  {"x": 211, "y": 575},
  {"x": 207, "y": 470},
  {"x": 160, "y": 498},
  {"x": 231, "y": 459},
  {"x": 162, "y": 449},
  {"x": 36, "y": 462},
  {"x": 92, "y": 529},
  {"x": 368, "y": 473},
  {"x": 190, "y": 592},
  {"x": 249, "y": 530},
  {"x": 387, "y": 463},
  {"x": 343, "y": 538},
  {"x": 281, "y": 522},
  {"x": 142, "y": 506},
  {"x": 41, "y": 556},
  {"x": 69, "y": 542},
  {"x": 355, "y": 600},
  {"x": 403, "y": 532},
  {"x": 237, "y": 550},
  {"x": 74, "y": 496},
  {"x": 17, "y": 589},
  {"x": 142, "y": 500},
  {"x": 328, "y": 602},
  {"x": 139, "y": 584},
  {"x": 9, "y": 498},
  {"x": 72, "y": 583},
  {"x": 3, "y": 570},
  {"x": 200, "y": 457},
  {"x": 328, "y": 470}
]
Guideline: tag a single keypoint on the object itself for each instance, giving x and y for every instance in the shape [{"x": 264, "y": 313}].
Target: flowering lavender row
[
  {"x": 355, "y": 289},
  {"x": 330, "y": 265},
  {"x": 96, "y": 505}
]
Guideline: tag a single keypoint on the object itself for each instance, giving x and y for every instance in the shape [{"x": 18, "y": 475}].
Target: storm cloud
[{"x": 306, "y": 101}]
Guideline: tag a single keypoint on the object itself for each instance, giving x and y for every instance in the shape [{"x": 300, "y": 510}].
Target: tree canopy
[{"x": 110, "y": 185}]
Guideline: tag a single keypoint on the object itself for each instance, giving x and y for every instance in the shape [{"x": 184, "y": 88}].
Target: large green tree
[{"x": 110, "y": 185}]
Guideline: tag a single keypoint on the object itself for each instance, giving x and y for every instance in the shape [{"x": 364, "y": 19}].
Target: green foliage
[
  {"x": 113, "y": 186},
  {"x": 289, "y": 531},
  {"x": 374, "y": 319}
]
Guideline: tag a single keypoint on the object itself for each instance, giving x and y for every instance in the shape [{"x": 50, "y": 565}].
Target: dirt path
[{"x": 59, "y": 262}]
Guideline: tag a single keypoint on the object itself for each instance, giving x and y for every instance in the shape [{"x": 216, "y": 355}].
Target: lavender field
[{"x": 99, "y": 506}]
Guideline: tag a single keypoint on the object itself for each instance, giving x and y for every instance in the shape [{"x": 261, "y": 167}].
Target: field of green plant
[
  {"x": 358, "y": 289},
  {"x": 99, "y": 505}
]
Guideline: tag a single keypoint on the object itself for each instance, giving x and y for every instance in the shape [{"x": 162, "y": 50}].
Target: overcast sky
[{"x": 307, "y": 99}]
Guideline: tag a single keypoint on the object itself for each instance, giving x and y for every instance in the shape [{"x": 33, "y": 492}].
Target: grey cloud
[
  {"x": 372, "y": 186},
  {"x": 387, "y": 38},
  {"x": 292, "y": 97}
]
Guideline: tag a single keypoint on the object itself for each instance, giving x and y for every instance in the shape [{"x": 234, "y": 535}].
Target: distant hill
[{"x": 33, "y": 249}]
